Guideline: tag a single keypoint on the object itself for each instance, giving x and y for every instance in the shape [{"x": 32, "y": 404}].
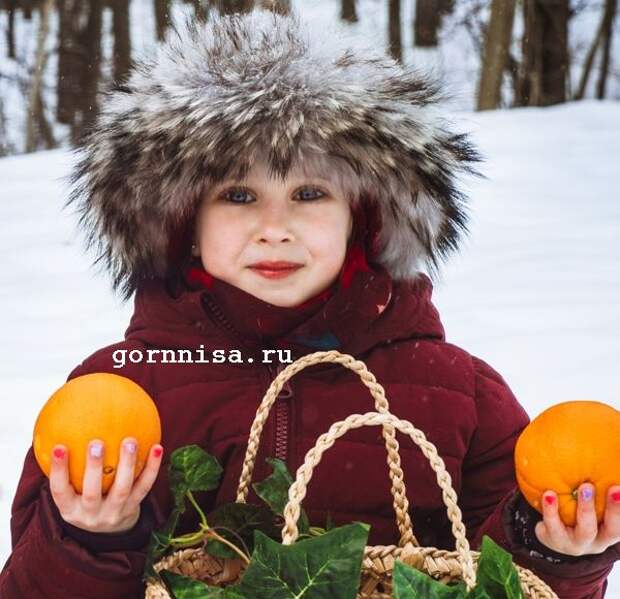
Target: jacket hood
[
  {"x": 373, "y": 310},
  {"x": 217, "y": 95}
]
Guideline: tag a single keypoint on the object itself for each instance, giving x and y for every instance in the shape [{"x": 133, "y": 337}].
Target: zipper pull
[{"x": 286, "y": 390}]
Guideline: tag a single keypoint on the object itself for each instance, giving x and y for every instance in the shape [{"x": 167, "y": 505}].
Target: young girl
[{"x": 260, "y": 186}]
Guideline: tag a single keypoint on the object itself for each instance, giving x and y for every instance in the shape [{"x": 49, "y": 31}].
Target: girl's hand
[
  {"x": 120, "y": 509},
  {"x": 585, "y": 538}
]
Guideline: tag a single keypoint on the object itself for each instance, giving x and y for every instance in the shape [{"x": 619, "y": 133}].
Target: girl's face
[{"x": 302, "y": 220}]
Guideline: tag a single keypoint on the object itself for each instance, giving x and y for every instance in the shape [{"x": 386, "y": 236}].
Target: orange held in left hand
[
  {"x": 586, "y": 537},
  {"x": 570, "y": 447}
]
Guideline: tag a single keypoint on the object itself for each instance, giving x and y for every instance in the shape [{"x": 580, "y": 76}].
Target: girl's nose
[{"x": 274, "y": 223}]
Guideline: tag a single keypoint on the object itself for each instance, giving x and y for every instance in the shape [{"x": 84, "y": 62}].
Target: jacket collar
[
  {"x": 322, "y": 322},
  {"x": 363, "y": 308}
]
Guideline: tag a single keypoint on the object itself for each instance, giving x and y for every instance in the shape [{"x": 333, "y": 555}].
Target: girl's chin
[{"x": 281, "y": 298}]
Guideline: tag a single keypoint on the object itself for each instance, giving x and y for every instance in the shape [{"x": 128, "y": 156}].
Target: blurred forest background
[{"x": 55, "y": 55}]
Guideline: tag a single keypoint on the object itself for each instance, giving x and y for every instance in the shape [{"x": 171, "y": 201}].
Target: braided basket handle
[
  {"x": 297, "y": 491},
  {"x": 401, "y": 504}
]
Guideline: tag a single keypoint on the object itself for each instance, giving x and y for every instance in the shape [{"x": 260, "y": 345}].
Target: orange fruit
[
  {"x": 101, "y": 406},
  {"x": 565, "y": 446}
]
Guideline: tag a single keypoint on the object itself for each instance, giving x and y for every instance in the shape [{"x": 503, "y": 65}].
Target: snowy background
[
  {"x": 455, "y": 61},
  {"x": 534, "y": 290}
]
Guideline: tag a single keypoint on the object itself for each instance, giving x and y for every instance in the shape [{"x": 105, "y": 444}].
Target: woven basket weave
[{"x": 443, "y": 565}]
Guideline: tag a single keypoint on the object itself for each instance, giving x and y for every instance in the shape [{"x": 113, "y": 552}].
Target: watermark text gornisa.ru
[{"x": 198, "y": 356}]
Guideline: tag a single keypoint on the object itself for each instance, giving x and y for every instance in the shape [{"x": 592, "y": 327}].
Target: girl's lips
[{"x": 275, "y": 274}]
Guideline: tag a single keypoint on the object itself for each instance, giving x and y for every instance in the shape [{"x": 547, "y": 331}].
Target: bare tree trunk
[
  {"x": 79, "y": 58},
  {"x": 395, "y": 43},
  {"x": 589, "y": 61},
  {"x": 282, "y": 7},
  {"x": 227, "y": 7},
  {"x": 6, "y": 147},
  {"x": 72, "y": 16},
  {"x": 513, "y": 68},
  {"x": 608, "y": 28},
  {"x": 495, "y": 55},
  {"x": 45, "y": 129},
  {"x": 122, "y": 40},
  {"x": 348, "y": 11},
  {"x": 446, "y": 7},
  {"x": 26, "y": 6},
  {"x": 545, "y": 52},
  {"x": 162, "y": 18},
  {"x": 10, "y": 31},
  {"x": 91, "y": 44},
  {"x": 426, "y": 24},
  {"x": 34, "y": 101},
  {"x": 63, "y": 95}
]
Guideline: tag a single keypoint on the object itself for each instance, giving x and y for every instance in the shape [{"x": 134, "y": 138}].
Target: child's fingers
[
  {"x": 124, "y": 479},
  {"x": 148, "y": 476},
  {"x": 62, "y": 490},
  {"x": 610, "y": 528},
  {"x": 587, "y": 526},
  {"x": 552, "y": 531},
  {"x": 93, "y": 475}
]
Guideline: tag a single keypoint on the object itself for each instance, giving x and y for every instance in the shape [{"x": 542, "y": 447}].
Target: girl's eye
[
  {"x": 305, "y": 196},
  {"x": 236, "y": 195}
]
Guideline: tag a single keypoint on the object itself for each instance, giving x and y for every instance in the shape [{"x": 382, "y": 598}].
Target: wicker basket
[{"x": 443, "y": 565}]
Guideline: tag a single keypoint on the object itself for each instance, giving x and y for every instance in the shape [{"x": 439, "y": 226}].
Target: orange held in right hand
[
  {"x": 120, "y": 509},
  {"x": 109, "y": 409},
  {"x": 101, "y": 406}
]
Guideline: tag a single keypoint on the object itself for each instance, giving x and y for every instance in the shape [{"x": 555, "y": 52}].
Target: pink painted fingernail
[
  {"x": 549, "y": 499},
  {"x": 616, "y": 496},
  {"x": 59, "y": 453},
  {"x": 130, "y": 446},
  {"x": 158, "y": 451},
  {"x": 96, "y": 449}
]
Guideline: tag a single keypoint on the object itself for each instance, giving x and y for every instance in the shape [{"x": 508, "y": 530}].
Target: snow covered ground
[{"x": 534, "y": 291}]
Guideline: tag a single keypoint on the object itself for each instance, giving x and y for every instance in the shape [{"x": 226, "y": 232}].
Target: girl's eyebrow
[
  {"x": 309, "y": 180},
  {"x": 296, "y": 180}
]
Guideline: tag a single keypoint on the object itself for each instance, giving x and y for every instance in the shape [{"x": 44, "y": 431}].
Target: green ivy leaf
[
  {"x": 410, "y": 583},
  {"x": 243, "y": 519},
  {"x": 274, "y": 491},
  {"x": 496, "y": 578},
  {"x": 191, "y": 468},
  {"x": 478, "y": 593},
  {"x": 183, "y": 587},
  {"x": 158, "y": 545},
  {"x": 325, "y": 567},
  {"x": 496, "y": 572}
]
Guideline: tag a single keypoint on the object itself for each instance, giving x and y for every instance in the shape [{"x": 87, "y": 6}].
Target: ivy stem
[
  {"x": 236, "y": 535},
  {"x": 203, "y": 518},
  {"x": 187, "y": 540},
  {"x": 191, "y": 538},
  {"x": 212, "y": 534}
]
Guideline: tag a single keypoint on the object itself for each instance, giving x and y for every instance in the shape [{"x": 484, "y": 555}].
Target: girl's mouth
[{"x": 280, "y": 273}]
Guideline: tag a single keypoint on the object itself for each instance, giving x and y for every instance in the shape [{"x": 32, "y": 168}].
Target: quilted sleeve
[
  {"x": 52, "y": 559},
  {"x": 492, "y": 504}
]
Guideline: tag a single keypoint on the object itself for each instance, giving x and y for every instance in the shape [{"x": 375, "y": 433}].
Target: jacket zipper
[
  {"x": 282, "y": 411},
  {"x": 281, "y": 403}
]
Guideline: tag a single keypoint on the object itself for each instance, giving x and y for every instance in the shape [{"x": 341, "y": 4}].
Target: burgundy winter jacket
[{"x": 463, "y": 406}]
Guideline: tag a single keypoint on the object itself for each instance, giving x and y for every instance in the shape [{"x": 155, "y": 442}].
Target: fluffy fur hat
[{"x": 216, "y": 96}]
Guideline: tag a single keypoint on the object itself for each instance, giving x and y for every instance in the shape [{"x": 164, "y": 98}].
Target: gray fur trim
[{"x": 216, "y": 95}]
